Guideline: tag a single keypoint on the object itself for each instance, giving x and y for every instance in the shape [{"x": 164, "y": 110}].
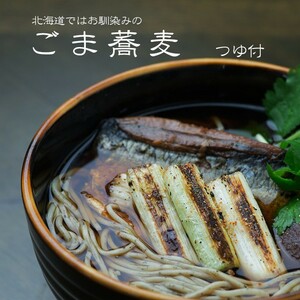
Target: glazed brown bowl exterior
[{"x": 132, "y": 92}]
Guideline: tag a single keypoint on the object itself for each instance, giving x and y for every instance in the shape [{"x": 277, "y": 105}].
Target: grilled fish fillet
[{"x": 146, "y": 140}]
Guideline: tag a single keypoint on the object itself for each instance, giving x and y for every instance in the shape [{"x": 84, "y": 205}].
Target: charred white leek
[
  {"x": 198, "y": 215},
  {"x": 157, "y": 212},
  {"x": 246, "y": 226}
]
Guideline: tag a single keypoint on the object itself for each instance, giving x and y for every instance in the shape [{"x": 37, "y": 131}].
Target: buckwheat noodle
[{"x": 109, "y": 244}]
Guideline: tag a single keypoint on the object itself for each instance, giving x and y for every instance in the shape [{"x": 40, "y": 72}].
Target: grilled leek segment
[
  {"x": 245, "y": 224},
  {"x": 198, "y": 215},
  {"x": 218, "y": 224},
  {"x": 157, "y": 212}
]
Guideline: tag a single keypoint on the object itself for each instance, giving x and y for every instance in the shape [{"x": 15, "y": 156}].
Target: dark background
[{"x": 33, "y": 85}]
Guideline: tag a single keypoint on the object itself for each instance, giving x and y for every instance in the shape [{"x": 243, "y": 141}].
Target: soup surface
[{"x": 80, "y": 211}]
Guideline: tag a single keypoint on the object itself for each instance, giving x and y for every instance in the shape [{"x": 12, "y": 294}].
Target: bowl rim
[{"x": 26, "y": 188}]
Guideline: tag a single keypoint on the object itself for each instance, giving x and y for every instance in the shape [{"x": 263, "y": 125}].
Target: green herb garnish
[
  {"x": 282, "y": 104},
  {"x": 288, "y": 177},
  {"x": 287, "y": 215}
]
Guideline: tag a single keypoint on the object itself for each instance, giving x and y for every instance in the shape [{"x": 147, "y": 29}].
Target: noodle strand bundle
[{"x": 106, "y": 241}]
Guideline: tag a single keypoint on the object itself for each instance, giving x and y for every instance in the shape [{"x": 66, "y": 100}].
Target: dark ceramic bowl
[{"x": 179, "y": 84}]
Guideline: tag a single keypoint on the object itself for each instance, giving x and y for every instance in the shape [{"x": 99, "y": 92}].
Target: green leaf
[
  {"x": 285, "y": 178},
  {"x": 292, "y": 156},
  {"x": 294, "y": 136},
  {"x": 287, "y": 215},
  {"x": 283, "y": 102},
  {"x": 288, "y": 177}
]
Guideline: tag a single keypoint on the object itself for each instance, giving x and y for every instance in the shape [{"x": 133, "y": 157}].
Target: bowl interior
[
  {"x": 159, "y": 91},
  {"x": 173, "y": 90}
]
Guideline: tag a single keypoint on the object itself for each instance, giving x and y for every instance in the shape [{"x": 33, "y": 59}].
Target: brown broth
[{"x": 95, "y": 171}]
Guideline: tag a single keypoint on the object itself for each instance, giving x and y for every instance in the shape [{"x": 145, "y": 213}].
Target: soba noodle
[{"x": 110, "y": 245}]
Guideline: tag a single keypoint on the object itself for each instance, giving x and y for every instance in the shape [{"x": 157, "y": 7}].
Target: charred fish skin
[
  {"x": 112, "y": 138},
  {"x": 179, "y": 136}
]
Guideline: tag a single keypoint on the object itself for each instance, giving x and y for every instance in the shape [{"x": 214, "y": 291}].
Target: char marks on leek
[
  {"x": 218, "y": 224},
  {"x": 246, "y": 226},
  {"x": 157, "y": 212},
  {"x": 198, "y": 215}
]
